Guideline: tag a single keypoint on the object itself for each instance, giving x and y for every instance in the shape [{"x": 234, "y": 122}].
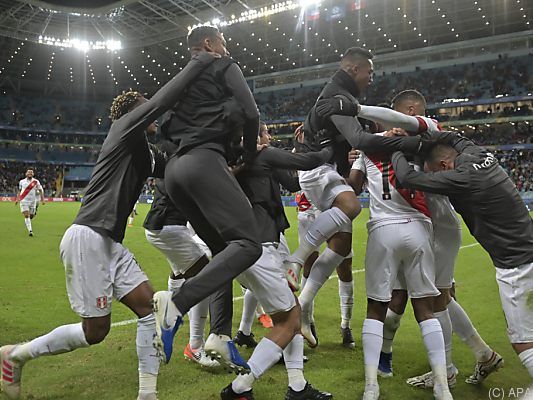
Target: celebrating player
[
  {"x": 29, "y": 189},
  {"x": 97, "y": 266}
]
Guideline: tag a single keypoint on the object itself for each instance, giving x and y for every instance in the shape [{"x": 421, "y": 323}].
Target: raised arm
[
  {"x": 242, "y": 94},
  {"x": 136, "y": 121},
  {"x": 353, "y": 132},
  {"x": 390, "y": 118},
  {"x": 443, "y": 182}
]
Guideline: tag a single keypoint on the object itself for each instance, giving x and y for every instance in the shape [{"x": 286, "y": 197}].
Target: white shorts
[
  {"x": 267, "y": 281},
  {"x": 403, "y": 251},
  {"x": 322, "y": 185},
  {"x": 305, "y": 219},
  {"x": 178, "y": 245},
  {"x": 446, "y": 245},
  {"x": 28, "y": 206},
  {"x": 97, "y": 269},
  {"x": 283, "y": 248},
  {"x": 516, "y": 293}
]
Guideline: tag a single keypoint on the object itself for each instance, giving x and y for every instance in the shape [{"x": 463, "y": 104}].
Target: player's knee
[
  {"x": 95, "y": 332},
  {"x": 349, "y": 204}
]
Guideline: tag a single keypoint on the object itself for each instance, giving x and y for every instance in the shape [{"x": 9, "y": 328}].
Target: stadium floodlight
[{"x": 82, "y": 45}]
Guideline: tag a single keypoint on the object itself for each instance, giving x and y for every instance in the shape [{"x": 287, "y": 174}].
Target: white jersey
[
  {"x": 31, "y": 196},
  {"x": 389, "y": 204},
  {"x": 442, "y": 212}
]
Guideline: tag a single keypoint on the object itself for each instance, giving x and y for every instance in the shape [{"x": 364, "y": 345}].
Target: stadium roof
[{"x": 98, "y": 47}]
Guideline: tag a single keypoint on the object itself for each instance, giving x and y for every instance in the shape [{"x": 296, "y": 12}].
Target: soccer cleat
[
  {"x": 167, "y": 322},
  {"x": 266, "y": 321},
  {"x": 30, "y": 234},
  {"x": 147, "y": 396},
  {"x": 222, "y": 349},
  {"x": 484, "y": 369},
  {"x": 371, "y": 392},
  {"x": 245, "y": 340},
  {"x": 11, "y": 373},
  {"x": 293, "y": 275},
  {"x": 308, "y": 393},
  {"x": 425, "y": 381},
  {"x": 228, "y": 394},
  {"x": 385, "y": 365},
  {"x": 199, "y": 356},
  {"x": 307, "y": 333},
  {"x": 313, "y": 331},
  {"x": 347, "y": 338}
]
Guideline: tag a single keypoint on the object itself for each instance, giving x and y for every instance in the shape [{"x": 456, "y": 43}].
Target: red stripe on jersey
[
  {"x": 28, "y": 189},
  {"x": 422, "y": 125},
  {"x": 7, "y": 373},
  {"x": 414, "y": 198},
  {"x": 437, "y": 123},
  {"x": 302, "y": 202}
]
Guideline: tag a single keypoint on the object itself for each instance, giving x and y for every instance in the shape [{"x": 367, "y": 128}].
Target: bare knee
[
  {"x": 521, "y": 347},
  {"x": 348, "y": 203},
  {"x": 96, "y": 329},
  {"x": 376, "y": 310},
  {"x": 398, "y": 301},
  {"x": 423, "y": 308}
]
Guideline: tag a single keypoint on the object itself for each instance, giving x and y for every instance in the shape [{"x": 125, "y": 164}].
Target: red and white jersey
[
  {"x": 388, "y": 203},
  {"x": 28, "y": 190},
  {"x": 303, "y": 204},
  {"x": 442, "y": 212}
]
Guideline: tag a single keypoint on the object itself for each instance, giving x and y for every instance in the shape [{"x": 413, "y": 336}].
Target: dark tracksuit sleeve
[
  {"x": 443, "y": 182},
  {"x": 353, "y": 132},
  {"x": 160, "y": 162},
  {"x": 242, "y": 94},
  {"x": 288, "y": 180},
  {"x": 458, "y": 142},
  {"x": 136, "y": 121},
  {"x": 283, "y": 159}
]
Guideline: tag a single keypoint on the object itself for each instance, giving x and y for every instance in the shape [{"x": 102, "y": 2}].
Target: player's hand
[
  {"x": 395, "y": 132},
  {"x": 353, "y": 155},
  {"x": 261, "y": 147},
  {"x": 205, "y": 57},
  {"x": 336, "y": 106},
  {"x": 299, "y": 134}
]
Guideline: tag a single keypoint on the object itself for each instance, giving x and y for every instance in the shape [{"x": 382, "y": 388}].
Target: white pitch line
[{"x": 355, "y": 271}]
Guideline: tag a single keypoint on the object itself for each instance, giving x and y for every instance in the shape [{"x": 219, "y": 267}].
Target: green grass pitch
[{"x": 33, "y": 301}]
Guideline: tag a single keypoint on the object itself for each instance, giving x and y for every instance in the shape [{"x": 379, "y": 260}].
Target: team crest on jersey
[{"x": 101, "y": 302}]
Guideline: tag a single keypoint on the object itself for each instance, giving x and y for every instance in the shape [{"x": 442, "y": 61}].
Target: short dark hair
[
  {"x": 357, "y": 53},
  {"x": 197, "y": 35},
  {"x": 409, "y": 94},
  {"x": 440, "y": 152}
]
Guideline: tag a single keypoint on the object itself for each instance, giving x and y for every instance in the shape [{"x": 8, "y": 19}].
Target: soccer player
[
  {"x": 261, "y": 182},
  {"x": 206, "y": 125},
  {"x": 331, "y": 121},
  {"x": 29, "y": 189},
  {"x": 409, "y": 108},
  {"x": 97, "y": 266},
  {"x": 133, "y": 214},
  {"x": 399, "y": 246},
  {"x": 166, "y": 229},
  {"x": 482, "y": 193}
]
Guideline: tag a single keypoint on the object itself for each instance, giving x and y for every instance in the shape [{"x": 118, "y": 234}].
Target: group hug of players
[{"x": 213, "y": 174}]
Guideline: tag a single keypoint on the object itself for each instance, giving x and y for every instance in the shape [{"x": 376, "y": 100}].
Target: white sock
[
  {"x": 197, "y": 321},
  {"x": 346, "y": 302},
  {"x": 174, "y": 284},
  {"x": 27, "y": 221},
  {"x": 147, "y": 354},
  {"x": 61, "y": 340},
  {"x": 322, "y": 269},
  {"x": 312, "y": 305},
  {"x": 265, "y": 355},
  {"x": 325, "y": 225},
  {"x": 527, "y": 359},
  {"x": 259, "y": 310},
  {"x": 434, "y": 342},
  {"x": 293, "y": 355},
  {"x": 130, "y": 220},
  {"x": 392, "y": 323},
  {"x": 248, "y": 312},
  {"x": 372, "y": 339},
  {"x": 463, "y": 327},
  {"x": 243, "y": 383},
  {"x": 446, "y": 324}
]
